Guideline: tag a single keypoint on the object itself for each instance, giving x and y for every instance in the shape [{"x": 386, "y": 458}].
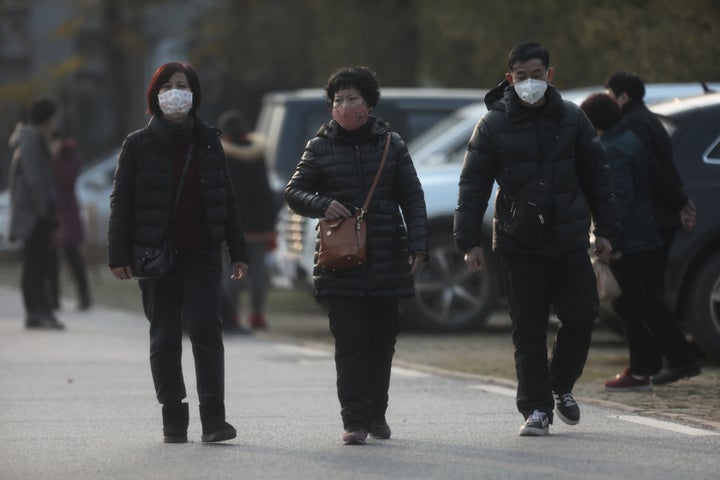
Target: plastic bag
[{"x": 607, "y": 285}]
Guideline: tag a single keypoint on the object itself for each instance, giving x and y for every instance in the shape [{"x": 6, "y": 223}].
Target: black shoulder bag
[
  {"x": 157, "y": 261},
  {"x": 531, "y": 207}
]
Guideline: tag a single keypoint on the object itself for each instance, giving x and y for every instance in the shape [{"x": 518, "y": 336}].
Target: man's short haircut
[
  {"x": 41, "y": 110},
  {"x": 234, "y": 124},
  {"x": 527, "y": 51},
  {"x": 361, "y": 78},
  {"x": 602, "y": 110},
  {"x": 624, "y": 82}
]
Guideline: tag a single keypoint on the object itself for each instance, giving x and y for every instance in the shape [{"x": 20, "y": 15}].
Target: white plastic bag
[{"x": 607, "y": 285}]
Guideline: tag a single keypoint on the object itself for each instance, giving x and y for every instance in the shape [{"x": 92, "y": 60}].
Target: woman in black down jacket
[
  {"x": 332, "y": 181},
  {"x": 147, "y": 176}
]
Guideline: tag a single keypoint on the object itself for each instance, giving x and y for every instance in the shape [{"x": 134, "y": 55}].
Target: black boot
[
  {"x": 175, "y": 422},
  {"x": 214, "y": 426}
]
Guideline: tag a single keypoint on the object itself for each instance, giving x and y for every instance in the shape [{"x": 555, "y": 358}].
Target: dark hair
[
  {"x": 602, "y": 110},
  {"x": 162, "y": 75},
  {"x": 526, "y": 51},
  {"x": 234, "y": 124},
  {"x": 624, "y": 82},
  {"x": 41, "y": 110},
  {"x": 361, "y": 78}
]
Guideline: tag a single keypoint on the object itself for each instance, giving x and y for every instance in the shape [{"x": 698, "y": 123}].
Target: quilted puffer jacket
[
  {"x": 507, "y": 146},
  {"x": 143, "y": 191},
  {"x": 336, "y": 167}
]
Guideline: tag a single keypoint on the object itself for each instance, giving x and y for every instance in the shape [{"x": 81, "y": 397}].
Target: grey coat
[{"x": 31, "y": 182}]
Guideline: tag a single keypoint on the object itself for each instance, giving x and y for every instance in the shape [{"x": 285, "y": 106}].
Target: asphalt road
[{"x": 79, "y": 404}]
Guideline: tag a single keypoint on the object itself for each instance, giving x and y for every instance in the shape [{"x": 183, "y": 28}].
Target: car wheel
[
  {"x": 448, "y": 296},
  {"x": 702, "y": 315}
]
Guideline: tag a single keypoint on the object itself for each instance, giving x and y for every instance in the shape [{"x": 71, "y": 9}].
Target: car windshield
[{"x": 440, "y": 127}]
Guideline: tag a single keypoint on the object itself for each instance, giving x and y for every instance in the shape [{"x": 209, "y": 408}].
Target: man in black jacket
[
  {"x": 672, "y": 208},
  {"x": 552, "y": 175}
]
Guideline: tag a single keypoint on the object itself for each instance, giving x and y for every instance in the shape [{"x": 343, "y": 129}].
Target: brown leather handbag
[{"x": 343, "y": 241}]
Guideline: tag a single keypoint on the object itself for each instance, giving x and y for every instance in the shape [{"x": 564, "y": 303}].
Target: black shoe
[
  {"x": 354, "y": 436},
  {"x": 380, "y": 429},
  {"x": 214, "y": 426},
  {"x": 567, "y": 408},
  {"x": 673, "y": 374},
  {"x": 218, "y": 431},
  {"x": 175, "y": 422},
  {"x": 536, "y": 425},
  {"x": 43, "y": 321}
]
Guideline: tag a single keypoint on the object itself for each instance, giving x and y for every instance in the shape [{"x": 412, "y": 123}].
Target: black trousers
[
  {"x": 365, "y": 330},
  {"x": 36, "y": 269},
  {"x": 533, "y": 283},
  {"x": 650, "y": 329},
  {"x": 192, "y": 296},
  {"x": 76, "y": 262}
]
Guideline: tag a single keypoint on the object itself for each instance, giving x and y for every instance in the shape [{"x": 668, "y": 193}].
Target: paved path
[{"x": 79, "y": 404}]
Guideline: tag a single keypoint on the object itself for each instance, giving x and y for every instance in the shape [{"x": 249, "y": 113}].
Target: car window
[{"x": 712, "y": 155}]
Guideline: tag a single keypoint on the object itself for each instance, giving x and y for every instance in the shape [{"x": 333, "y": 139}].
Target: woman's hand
[
  {"x": 336, "y": 210},
  {"x": 415, "y": 260},
  {"x": 122, "y": 273},
  {"x": 239, "y": 270},
  {"x": 475, "y": 259}
]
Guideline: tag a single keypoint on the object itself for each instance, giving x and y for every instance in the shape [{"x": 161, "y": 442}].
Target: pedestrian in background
[
  {"x": 672, "y": 209},
  {"x": 635, "y": 261},
  {"x": 69, "y": 235},
  {"x": 245, "y": 151},
  {"x": 150, "y": 166},
  {"x": 331, "y": 181},
  {"x": 33, "y": 198},
  {"x": 533, "y": 142}
]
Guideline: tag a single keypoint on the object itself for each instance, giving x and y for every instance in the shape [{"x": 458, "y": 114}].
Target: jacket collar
[
  {"x": 378, "y": 127},
  {"x": 166, "y": 132}
]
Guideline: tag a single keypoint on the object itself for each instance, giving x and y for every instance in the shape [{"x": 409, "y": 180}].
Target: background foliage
[{"x": 261, "y": 45}]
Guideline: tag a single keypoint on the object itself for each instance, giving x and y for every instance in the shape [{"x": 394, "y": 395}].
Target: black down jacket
[
  {"x": 334, "y": 167},
  {"x": 143, "y": 191},
  {"x": 666, "y": 185},
  {"x": 507, "y": 146}
]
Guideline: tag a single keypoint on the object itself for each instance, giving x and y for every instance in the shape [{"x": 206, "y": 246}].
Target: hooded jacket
[
  {"x": 31, "y": 182},
  {"x": 508, "y": 146},
  {"x": 335, "y": 167},
  {"x": 143, "y": 191}
]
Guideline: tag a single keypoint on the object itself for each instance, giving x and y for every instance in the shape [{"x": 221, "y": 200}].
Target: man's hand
[
  {"x": 603, "y": 249},
  {"x": 122, "y": 273},
  {"x": 415, "y": 260},
  {"x": 688, "y": 216},
  {"x": 239, "y": 270},
  {"x": 475, "y": 259}
]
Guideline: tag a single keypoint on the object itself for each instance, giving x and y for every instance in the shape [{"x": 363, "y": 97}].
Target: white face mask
[
  {"x": 530, "y": 90},
  {"x": 175, "y": 101}
]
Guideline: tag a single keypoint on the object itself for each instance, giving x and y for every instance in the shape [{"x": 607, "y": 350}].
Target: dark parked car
[{"x": 693, "y": 274}]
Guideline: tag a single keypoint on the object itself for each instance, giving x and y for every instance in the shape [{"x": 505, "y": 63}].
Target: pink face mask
[{"x": 352, "y": 117}]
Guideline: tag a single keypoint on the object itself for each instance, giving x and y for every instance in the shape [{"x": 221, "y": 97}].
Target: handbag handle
[{"x": 365, "y": 206}]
